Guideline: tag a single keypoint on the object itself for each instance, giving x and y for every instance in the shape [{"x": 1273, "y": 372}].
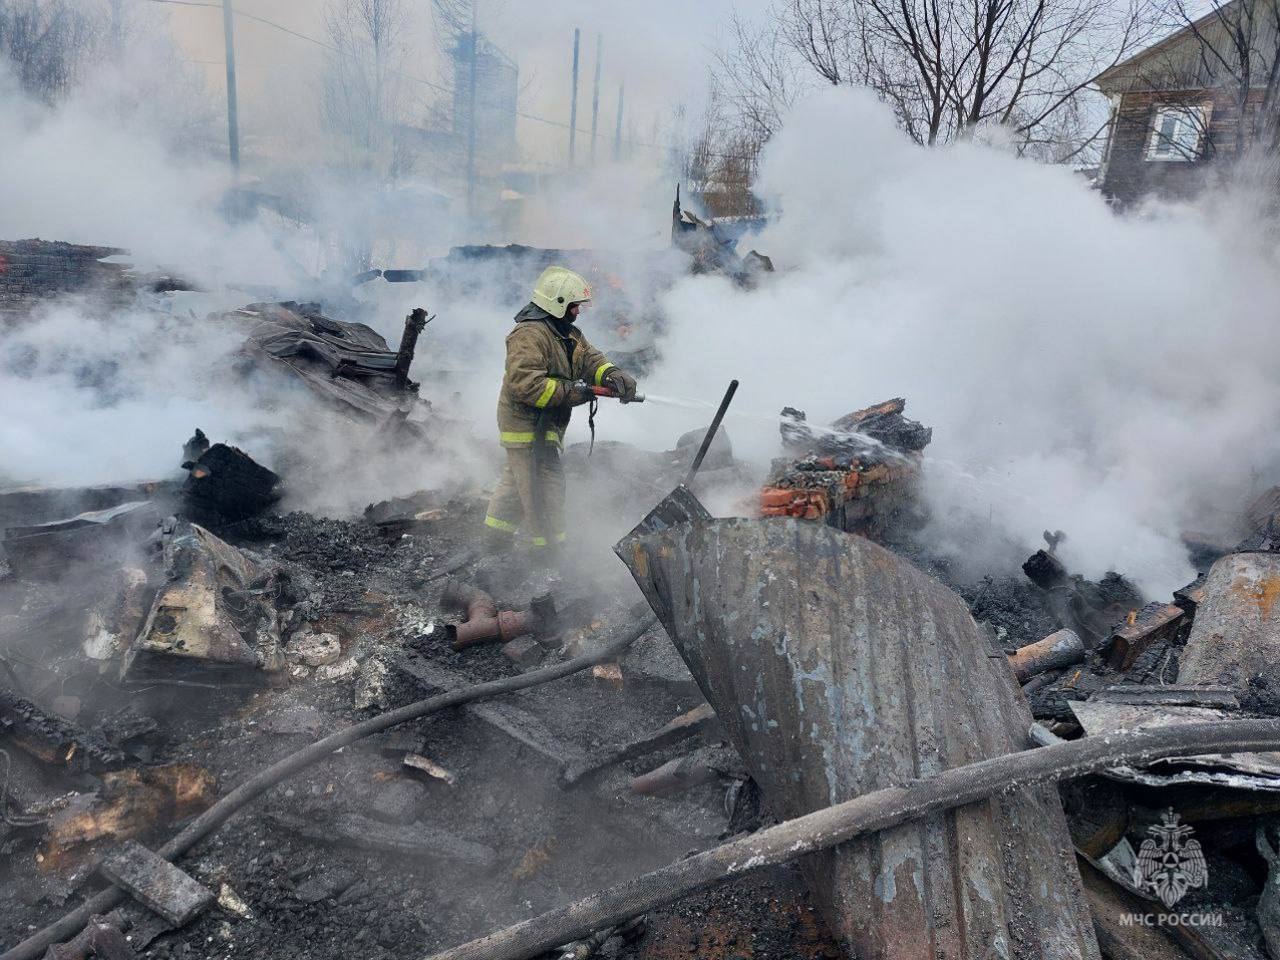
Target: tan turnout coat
[{"x": 538, "y": 376}]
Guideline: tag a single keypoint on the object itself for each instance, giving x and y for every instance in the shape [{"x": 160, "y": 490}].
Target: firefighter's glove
[
  {"x": 580, "y": 393},
  {"x": 621, "y": 383}
]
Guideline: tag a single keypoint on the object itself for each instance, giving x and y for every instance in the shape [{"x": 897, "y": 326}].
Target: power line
[{"x": 430, "y": 83}]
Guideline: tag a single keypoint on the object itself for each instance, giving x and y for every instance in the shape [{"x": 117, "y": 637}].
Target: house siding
[{"x": 1129, "y": 175}]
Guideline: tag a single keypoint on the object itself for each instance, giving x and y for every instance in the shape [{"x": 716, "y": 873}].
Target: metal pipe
[
  {"x": 507, "y": 625},
  {"x": 460, "y": 595},
  {"x": 711, "y": 432}
]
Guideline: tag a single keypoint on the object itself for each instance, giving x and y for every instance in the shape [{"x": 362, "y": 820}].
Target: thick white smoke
[{"x": 1110, "y": 376}]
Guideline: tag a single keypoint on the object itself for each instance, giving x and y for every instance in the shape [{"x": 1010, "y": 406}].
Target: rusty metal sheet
[
  {"x": 1248, "y": 771},
  {"x": 838, "y": 669},
  {"x": 1236, "y": 634}
]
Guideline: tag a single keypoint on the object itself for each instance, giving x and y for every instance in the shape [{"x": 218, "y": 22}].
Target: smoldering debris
[
  {"x": 224, "y": 484},
  {"x": 859, "y": 475},
  {"x": 217, "y": 609},
  {"x": 348, "y": 365},
  {"x": 45, "y": 549},
  {"x": 223, "y": 636}
]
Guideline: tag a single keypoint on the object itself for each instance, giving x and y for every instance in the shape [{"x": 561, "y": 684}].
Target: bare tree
[
  {"x": 47, "y": 43},
  {"x": 949, "y": 67},
  {"x": 718, "y": 163},
  {"x": 364, "y": 83},
  {"x": 759, "y": 77}
]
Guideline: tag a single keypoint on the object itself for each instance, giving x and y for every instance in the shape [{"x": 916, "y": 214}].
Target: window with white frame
[{"x": 1178, "y": 132}]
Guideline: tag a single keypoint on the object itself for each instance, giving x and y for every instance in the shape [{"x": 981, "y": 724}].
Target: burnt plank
[{"x": 156, "y": 883}]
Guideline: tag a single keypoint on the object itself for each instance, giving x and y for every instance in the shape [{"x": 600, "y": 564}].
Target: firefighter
[{"x": 546, "y": 355}]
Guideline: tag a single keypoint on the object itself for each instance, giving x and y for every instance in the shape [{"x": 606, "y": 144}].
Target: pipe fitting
[{"x": 462, "y": 596}]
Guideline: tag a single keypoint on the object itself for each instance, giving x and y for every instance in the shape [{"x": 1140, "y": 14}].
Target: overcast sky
[{"x": 660, "y": 49}]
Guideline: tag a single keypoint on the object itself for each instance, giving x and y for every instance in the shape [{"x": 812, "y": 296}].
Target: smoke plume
[{"x": 1107, "y": 375}]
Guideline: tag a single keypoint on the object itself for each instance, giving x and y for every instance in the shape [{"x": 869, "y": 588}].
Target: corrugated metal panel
[{"x": 838, "y": 669}]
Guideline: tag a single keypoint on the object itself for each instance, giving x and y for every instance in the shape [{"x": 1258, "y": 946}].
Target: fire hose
[
  {"x": 259, "y": 783},
  {"x": 868, "y": 813}
]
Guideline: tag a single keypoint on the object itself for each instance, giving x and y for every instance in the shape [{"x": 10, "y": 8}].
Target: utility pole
[
  {"x": 573, "y": 104},
  {"x": 617, "y": 133},
  {"x": 233, "y": 122},
  {"x": 474, "y": 44},
  {"x": 595, "y": 98}
]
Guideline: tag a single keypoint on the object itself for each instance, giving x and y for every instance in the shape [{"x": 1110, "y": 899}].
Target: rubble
[
  {"x": 52, "y": 738},
  {"x": 371, "y": 685},
  {"x": 215, "y": 611},
  {"x": 848, "y": 478},
  {"x": 314, "y": 649},
  {"x": 44, "y": 550},
  {"x": 348, "y": 365},
  {"x": 233, "y": 903},
  {"x": 224, "y": 484},
  {"x": 432, "y": 769},
  {"x": 711, "y": 250},
  {"x": 235, "y": 607},
  {"x": 35, "y": 270}
]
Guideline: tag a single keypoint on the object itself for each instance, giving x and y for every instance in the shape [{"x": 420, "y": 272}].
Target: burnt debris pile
[
  {"x": 858, "y": 475},
  {"x": 232, "y": 727},
  {"x": 432, "y": 748}
]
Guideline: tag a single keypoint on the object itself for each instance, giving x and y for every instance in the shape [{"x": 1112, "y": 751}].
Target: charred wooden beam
[
  {"x": 1118, "y": 940},
  {"x": 413, "y": 326},
  {"x": 1169, "y": 695},
  {"x": 53, "y": 739},
  {"x": 1191, "y": 596},
  {"x": 365, "y": 833},
  {"x": 701, "y": 719},
  {"x": 1060, "y": 649},
  {"x": 1154, "y": 622}
]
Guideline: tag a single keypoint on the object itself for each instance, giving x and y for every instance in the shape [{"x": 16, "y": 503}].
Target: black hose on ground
[
  {"x": 259, "y": 783},
  {"x": 868, "y": 813}
]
